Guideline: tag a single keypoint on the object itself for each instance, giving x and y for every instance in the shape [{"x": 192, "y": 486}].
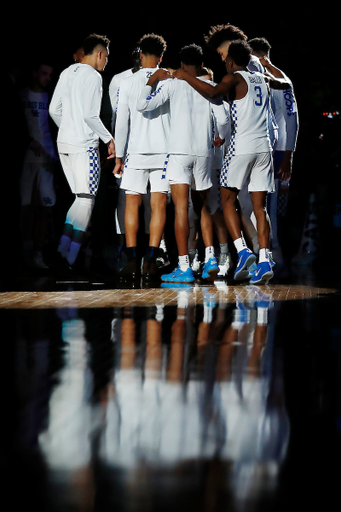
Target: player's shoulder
[{"x": 123, "y": 74}]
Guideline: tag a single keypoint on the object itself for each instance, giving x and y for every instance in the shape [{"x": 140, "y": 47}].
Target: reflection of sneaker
[
  {"x": 263, "y": 274},
  {"x": 179, "y": 276},
  {"x": 225, "y": 264},
  {"x": 246, "y": 258},
  {"x": 210, "y": 270}
]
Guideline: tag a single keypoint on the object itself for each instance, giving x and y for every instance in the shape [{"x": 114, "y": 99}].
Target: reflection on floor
[{"x": 205, "y": 398}]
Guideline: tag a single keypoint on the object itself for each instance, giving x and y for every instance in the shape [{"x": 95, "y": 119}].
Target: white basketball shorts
[
  {"x": 182, "y": 168},
  {"x": 254, "y": 169},
  {"x": 82, "y": 171}
]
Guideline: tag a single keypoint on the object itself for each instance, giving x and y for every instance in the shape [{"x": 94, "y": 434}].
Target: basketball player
[
  {"x": 284, "y": 106},
  {"x": 114, "y": 93},
  {"x": 190, "y": 150},
  {"x": 146, "y": 136},
  {"x": 75, "y": 108},
  {"x": 37, "y": 189},
  {"x": 249, "y": 154}
]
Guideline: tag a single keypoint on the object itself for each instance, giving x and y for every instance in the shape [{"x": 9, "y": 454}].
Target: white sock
[
  {"x": 209, "y": 253},
  {"x": 163, "y": 245},
  {"x": 263, "y": 256},
  {"x": 64, "y": 245},
  {"x": 224, "y": 248},
  {"x": 240, "y": 244},
  {"x": 73, "y": 252},
  {"x": 184, "y": 262}
]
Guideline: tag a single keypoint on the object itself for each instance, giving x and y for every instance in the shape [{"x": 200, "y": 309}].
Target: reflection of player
[
  {"x": 248, "y": 157},
  {"x": 75, "y": 108}
]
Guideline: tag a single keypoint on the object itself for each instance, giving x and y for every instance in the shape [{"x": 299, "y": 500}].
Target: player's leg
[
  {"x": 233, "y": 223},
  {"x": 264, "y": 270}
]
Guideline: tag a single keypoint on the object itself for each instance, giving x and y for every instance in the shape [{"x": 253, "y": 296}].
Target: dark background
[{"x": 305, "y": 45}]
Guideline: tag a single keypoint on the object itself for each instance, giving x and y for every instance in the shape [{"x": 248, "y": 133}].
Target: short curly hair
[
  {"x": 218, "y": 34},
  {"x": 260, "y": 44},
  {"x": 94, "y": 40},
  {"x": 192, "y": 55},
  {"x": 152, "y": 44},
  {"x": 240, "y": 52}
]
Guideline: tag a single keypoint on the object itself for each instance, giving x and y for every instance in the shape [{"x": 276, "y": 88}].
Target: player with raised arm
[
  {"x": 248, "y": 156},
  {"x": 75, "y": 108},
  {"x": 284, "y": 106},
  {"x": 190, "y": 151}
]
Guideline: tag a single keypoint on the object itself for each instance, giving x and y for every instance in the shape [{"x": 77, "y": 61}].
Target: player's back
[
  {"x": 191, "y": 121},
  {"x": 250, "y": 117},
  {"x": 79, "y": 82},
  {"x": 149, "y": 130}
]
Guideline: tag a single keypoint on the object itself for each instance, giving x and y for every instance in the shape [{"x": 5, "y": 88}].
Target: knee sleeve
[{"x": 80, "y": 212}]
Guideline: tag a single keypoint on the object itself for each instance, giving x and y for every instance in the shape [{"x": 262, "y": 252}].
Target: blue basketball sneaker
[
  {"x": 179, "y": 276},
  {"x": 263, "y": 273},
  {"x": 246, "y": 258},
  {"x": 210, "y": 270}
]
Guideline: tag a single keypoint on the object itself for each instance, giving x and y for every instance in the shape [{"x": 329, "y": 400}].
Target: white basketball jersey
[{"x": 250, "y": 117}]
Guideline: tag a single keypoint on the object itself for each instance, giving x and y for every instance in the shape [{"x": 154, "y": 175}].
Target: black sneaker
[
  {"x": 162, "y": 259},
  {"x": 129, "y": 272}
]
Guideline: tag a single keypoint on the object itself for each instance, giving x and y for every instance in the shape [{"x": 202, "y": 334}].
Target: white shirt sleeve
[
  {"x": 291, "y": 118},
  {"x": 222, "y": 117},
  {"x": 55, "y": 108},
  {"x": 149, "y": 100},
  {"x": 122, "y": 123},
  {"x": 92, "y": 105}
]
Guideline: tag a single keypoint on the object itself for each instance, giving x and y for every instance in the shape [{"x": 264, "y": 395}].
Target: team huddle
[{"x": 217, "y": 149}]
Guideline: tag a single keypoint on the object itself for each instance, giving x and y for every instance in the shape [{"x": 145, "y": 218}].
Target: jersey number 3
[{"x": 259, "y": 100}]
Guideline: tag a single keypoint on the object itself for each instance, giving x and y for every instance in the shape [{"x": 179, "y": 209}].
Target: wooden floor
[
  {"x": 98, "y": 298},
  {"x": 203, "y": 398}
]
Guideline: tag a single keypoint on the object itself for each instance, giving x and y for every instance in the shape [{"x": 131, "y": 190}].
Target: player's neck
[
  {"x": 149, "y": 61},
  {"x": 191, "y": 70},
  {"x": 239, "y": 68}
]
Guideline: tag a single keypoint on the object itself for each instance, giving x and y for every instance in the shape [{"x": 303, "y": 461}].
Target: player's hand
[
  {"x": 285, "y": 167},
  {"x": 160, "y": 74},
  {"x": 118, "y": 169},
  {"x": 218, "y": 142},
  {"x": 180, "y": 73},
  {"x": 111, "y": 149},
  {"x": 265, "y": 61},
  {"x": 37, "y": 148}
]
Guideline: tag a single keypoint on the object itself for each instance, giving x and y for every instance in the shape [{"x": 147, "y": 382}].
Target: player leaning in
[
  {"x": 75, "y": 108},
  {"x": 146, "y": 136},
  {"x": 248, "y": 156},
  {"x": 190, "y": 150}
]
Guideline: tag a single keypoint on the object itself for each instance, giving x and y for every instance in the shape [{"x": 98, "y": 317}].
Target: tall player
[
  {"x": 146, "y": 136},
  {"x": 190, "y": 151},
  {"x": 284, "y": 106},
  {"x": 75, "y": 108},
  {"x": 248, "y": 156}
]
